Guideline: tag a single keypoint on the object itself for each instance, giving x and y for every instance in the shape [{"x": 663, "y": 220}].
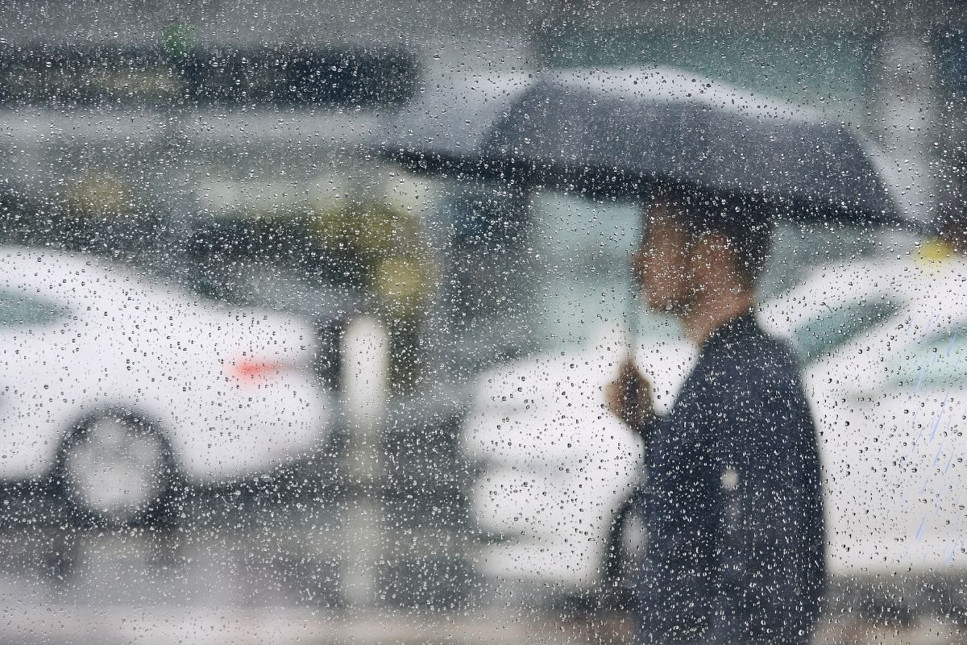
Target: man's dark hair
[{"x": 742, "y": 221}]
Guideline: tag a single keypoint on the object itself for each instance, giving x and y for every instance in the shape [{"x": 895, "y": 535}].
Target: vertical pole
[{"x": 365, "y": 378}]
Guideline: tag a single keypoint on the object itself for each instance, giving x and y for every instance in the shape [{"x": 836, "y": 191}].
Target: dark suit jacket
[{"x": 732, "y": 502}]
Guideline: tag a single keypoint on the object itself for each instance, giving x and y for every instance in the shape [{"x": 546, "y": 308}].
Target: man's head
[{"x": 696, "y": 246}]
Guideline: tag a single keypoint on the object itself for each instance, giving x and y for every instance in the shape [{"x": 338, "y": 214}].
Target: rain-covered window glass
[{"x": 475, "y": 321}]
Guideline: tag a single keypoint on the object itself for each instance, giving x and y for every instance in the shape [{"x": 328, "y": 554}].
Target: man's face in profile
[{"x": 661, "y": 265}]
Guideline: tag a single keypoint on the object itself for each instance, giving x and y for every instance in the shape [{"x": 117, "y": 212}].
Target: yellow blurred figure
[
  {"x": 371, "y": 228},
  {"x": 388, "y": 253},
  {"x": 950, "y": 243},
  {"x": 404, "y": 284},
  {"x": 99, "y": 195}
]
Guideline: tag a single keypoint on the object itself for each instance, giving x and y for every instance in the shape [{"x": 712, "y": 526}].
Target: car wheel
[
  {"x": 115, "y": 469},
  {"x": 625, "y": 548}
]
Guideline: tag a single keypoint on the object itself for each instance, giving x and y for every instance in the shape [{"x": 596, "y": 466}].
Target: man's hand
[{"x": 628, "y": 397}]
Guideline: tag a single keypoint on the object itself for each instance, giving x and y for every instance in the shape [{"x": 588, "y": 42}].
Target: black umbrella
[{"x": 620, "y": 131}]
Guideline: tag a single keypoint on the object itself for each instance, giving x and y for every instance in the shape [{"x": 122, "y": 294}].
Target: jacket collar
[{"x": 734, "y": 330}]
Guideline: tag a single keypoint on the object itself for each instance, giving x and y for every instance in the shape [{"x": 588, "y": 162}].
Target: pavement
[{"x": 242, "y": 568}]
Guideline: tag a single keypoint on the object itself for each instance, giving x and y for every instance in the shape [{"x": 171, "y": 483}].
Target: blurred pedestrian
[{"x": 731, "y": 502}]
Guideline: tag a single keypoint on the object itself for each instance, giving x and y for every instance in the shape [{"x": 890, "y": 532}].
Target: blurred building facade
[
  {"x": 893, "y": 68},
  {"x": 230, "y": 131}
]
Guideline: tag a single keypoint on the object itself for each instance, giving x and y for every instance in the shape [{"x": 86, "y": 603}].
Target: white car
[
  {"x": 884, "y": 344},
  {"x": 886, "y": 369},
  {"x": 555, "y": 469},
  {"x": 116, "y": 388}
]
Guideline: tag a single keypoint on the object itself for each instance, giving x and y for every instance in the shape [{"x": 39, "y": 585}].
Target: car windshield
[
  {"x": 936, "y": 363},
  {"x": 836, "y": 325},
  {"x": 18, "y": 308}
]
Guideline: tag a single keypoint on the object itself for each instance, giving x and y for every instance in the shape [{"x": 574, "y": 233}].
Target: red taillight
[{"x": 249, "y": 369}]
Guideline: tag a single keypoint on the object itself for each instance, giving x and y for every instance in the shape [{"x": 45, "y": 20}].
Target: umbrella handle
[{"x": 632, "y": 323}]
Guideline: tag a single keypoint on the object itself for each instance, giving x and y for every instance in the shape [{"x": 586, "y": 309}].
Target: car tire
[
  {"x": 115, "y": 469},
  {"x": 625, "y": 545}
]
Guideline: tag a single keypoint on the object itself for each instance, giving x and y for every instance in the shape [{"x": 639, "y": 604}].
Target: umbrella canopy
[{"x": 620, "y": 131}]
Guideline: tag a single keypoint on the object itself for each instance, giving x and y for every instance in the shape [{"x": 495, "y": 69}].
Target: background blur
[{"x": 217, "y": 148}]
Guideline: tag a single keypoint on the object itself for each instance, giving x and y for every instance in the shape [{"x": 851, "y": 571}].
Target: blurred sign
[{"x": 179, "y": 73}]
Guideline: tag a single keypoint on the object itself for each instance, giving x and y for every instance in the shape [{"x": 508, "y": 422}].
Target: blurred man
[{"x": 732, "y": 502}]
